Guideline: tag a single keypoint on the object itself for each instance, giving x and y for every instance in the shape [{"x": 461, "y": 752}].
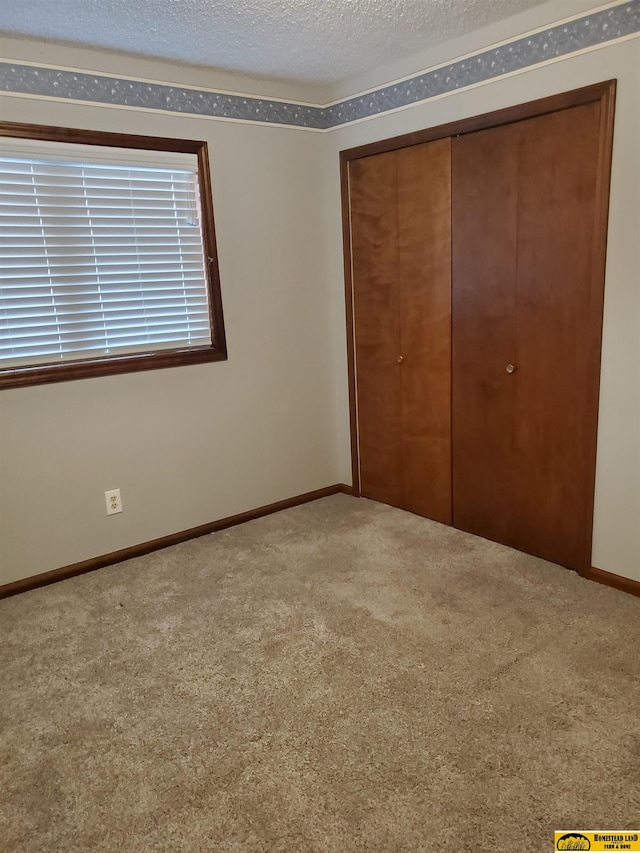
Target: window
[{"x": 107, "y": 255}]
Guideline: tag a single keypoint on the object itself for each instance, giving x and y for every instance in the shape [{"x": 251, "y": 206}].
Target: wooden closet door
[
  {"x": 373, "y": 191},
  {"x": 556, "y": 367},
  {"x": 424, "y": 234},
  {"x": 400, "y": 207},
  {"x": 524, "y": 205},
  {"x": 485, "y": 200}
]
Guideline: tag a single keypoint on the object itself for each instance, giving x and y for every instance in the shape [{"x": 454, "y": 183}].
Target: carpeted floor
[{"x": 342, "y": 676}]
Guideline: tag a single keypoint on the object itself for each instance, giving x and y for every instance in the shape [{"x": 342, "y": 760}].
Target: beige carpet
[{"x": 342, "y": 676}]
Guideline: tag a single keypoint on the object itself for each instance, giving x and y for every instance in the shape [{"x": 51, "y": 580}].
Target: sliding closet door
[
  {"x": 525, "y": 376},
  {"x": 373, "y": 188},
  {"x": 400, "y": 208}
]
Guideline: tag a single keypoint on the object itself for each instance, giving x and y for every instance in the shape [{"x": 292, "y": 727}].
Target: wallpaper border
[{"x": 563, "y": 39}]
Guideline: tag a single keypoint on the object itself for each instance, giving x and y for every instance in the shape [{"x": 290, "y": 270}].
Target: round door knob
[
  {"x": 400, "y": 359},
  {"x": 510, "y": 368}
]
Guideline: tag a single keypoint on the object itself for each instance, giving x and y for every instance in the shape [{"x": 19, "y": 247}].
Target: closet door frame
[{"x": 602, "y": 93}]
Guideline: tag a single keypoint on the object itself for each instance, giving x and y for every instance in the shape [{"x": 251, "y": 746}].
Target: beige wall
[
  {"x": 616, "y": 540},
  {"x": 192, "y": 444}
]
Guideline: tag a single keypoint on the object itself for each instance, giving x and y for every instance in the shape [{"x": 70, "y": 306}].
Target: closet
[{"x": 475, "y": 277}]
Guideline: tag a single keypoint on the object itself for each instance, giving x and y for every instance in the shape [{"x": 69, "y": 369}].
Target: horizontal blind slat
[
  {"x": 30, "y": 316},
  {"x": 99, "y": 257}
]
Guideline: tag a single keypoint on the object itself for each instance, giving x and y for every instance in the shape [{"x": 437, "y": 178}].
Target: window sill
[{"x": 20, "y": 377}]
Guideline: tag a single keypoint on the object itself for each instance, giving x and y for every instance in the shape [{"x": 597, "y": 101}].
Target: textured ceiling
[{"x": 313, "y": 41}]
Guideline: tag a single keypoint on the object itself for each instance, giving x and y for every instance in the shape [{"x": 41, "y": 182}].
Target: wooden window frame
[{"x": 15, "y": 377}]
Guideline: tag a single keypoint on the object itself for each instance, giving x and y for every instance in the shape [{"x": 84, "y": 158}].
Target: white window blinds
[{"x": 101, "y": 253}]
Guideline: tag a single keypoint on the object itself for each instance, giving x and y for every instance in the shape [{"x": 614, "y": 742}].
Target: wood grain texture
[
  {"x": 552, "y": 417},
  {"x": 485, "y": 184},
  {"x": 374, "y": 253},
  {"x": 345, "y": 198},
  {"x": 524, "y": 226},
  {"x": 598, "y": 266},
  {"x": 424, "y": 234}
]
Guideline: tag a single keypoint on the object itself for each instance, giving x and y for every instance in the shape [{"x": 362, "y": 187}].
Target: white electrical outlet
[{"x": 113, "y": 501}]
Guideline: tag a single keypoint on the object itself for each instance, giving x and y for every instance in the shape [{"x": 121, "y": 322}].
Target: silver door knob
[
  {"x": 510, "y": 368},
  {"x": 400, "y": 359}
]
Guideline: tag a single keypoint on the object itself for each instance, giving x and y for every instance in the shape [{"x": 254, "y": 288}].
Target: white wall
[
  {"x": 187, "y": 445},
  {"x": 616, "y": 541}
]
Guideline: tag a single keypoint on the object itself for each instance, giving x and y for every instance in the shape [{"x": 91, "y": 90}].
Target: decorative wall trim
[
  {"x": 143, "y": 548},
  {"x": 539, "y": 47},
  {"x": 87, "y": 87},
  {"x": 561, "y": 40}
]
